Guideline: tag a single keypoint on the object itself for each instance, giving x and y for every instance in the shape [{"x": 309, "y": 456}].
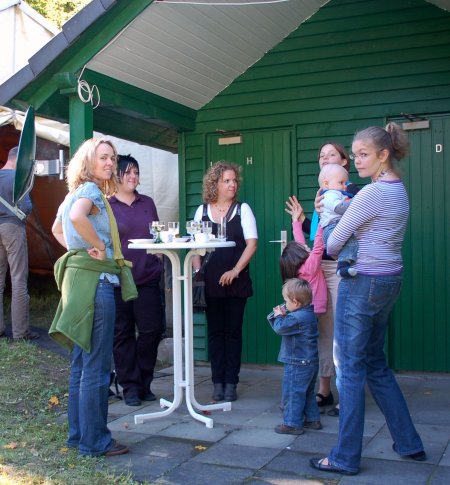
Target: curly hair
[
  {"x": 81, "y": 166},
  {"x": 212, "y": 177}
]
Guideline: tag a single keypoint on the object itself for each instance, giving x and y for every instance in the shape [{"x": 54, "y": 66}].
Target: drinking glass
[
  {"x": 156, "y": 228},
  {"x": 207, "y": 227},
  {"x": 174, "y": 230},
  {"x": 222, "y": 229},
  {"x": 191, "y": 228}
]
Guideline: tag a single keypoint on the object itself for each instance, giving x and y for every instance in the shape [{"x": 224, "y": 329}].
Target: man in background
[{"x": 14, "y": 253}]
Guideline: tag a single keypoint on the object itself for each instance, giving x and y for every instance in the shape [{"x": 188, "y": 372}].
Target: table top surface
[{"x": 149, "y": 244}]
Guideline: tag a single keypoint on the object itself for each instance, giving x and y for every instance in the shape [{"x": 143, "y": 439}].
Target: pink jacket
[{"x": 311, "y": 270}]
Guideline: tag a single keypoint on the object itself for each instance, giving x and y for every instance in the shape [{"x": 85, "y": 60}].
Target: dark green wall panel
[{"x": 355, "y": 63}]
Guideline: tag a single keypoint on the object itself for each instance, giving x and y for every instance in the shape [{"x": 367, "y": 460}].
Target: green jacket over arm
[{"x": 77, "y": 275}]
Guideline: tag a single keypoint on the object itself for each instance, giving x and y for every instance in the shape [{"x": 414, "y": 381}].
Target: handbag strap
[
  {"x": 231, "y": 209},
  {"x": 204, "y": 262}
]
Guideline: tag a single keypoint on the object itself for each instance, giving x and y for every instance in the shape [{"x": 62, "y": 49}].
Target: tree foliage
[{"x": 57, "y": 11}]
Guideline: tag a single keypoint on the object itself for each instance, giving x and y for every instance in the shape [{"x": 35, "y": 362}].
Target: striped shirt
[{"x": 377, "y": 216}]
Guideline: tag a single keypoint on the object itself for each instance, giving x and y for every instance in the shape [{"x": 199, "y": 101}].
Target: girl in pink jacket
[{"x": 298, "y": 261}]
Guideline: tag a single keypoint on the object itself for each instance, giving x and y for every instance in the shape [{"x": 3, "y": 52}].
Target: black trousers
[
  {"x": 137, "y": 333},
  {"x": 225, "y": 318}
]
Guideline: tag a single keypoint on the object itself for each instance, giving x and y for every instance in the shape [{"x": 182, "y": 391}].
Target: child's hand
[
  {"x": 294, "y": 209},
  {"x": 279, "y": 310}
]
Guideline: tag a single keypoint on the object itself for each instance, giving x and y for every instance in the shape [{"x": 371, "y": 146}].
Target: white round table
[{"x": 183, "y": 371}]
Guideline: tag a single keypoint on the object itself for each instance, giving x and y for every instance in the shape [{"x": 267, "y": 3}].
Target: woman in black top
[{"x": 227, "y": 278}]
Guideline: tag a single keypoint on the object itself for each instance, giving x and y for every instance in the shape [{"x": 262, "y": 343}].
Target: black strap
[{"x": 231, "y": 209}]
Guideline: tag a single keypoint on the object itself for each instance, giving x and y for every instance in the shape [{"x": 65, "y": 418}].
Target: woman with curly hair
[{"x": 227, "y": 277}]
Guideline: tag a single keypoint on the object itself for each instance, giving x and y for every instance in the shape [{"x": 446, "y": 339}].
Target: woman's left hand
[
  {"x": 228, "y": 277},
  {"x": 96, "y": 253},
  {"x": 318, "y": 202}
]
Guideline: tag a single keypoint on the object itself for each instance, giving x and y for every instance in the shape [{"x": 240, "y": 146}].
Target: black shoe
[
  {"x": 419, "y": 456},
  {"x": 325, "y": 400},
  {"x": 149, "y": 396},
  {"x": 132, "y": 400},
  {"x": 230, "y": 392},
  {"x": 218, "y": 394},
  {"x": 28, "y": 335},
  {"x": 334, "y": 412}
]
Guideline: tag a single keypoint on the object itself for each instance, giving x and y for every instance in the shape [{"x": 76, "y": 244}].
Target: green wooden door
[
  {"x": 419, "y": 338},
  {"x": 265, "y": 157}
]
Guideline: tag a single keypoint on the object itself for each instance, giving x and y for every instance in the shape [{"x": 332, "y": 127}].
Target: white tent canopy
[{"x": 158, "y": 168}]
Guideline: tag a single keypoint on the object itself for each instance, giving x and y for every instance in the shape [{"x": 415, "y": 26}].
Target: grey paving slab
[
  {"x": 296, "y": 464},
  {"x": 258, "y": 437},
  {"x": 195, "y": 430},
  {"x": 266, "y": 420},
  {"x": 435, "y": 439},
  {"x": 155, "y": 456},
  {"x": 269, "y": 477},
  {"x": 385, "y": 472},
  {"x": 237, "y": 456},
  {"x": 204, "y": 474},
  {"x": 445, "y": 459},
  {"x": 440, "y": 476},
  {"x": 242, "y": 447}
]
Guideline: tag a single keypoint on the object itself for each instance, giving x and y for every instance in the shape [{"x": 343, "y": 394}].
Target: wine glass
[
  {"x": 156, "y": 228},
  {"x": 207, "y": 227},
  {"x": 192, "y": 227},
  {"x": 174, "y": 230}
]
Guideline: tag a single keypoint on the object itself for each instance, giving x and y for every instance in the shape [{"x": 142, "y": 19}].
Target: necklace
[
  {"x": 222, "y": 211},
  {"x": 382, "y": 174}
]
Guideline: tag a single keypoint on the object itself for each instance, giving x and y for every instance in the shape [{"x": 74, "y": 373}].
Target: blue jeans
[
  {"x": 299, "y": 398},
  {"x": 89, "y": 380},
  {"x": 349, "y": 251},
  {"x": 362, "y": 315}
]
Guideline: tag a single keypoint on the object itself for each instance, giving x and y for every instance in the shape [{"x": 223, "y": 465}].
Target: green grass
[{"x": 33, "y": 407}]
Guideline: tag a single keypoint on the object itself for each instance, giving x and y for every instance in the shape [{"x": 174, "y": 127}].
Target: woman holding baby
[{"x": 378, "y": 217}]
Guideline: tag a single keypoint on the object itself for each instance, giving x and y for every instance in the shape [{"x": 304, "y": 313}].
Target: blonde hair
[
  {"x": 81, "y": 166},
  {"x": 331, "y": 170},
  {"x": 212, "y": 177},
  {"x": 299, "y": 290},
  {"x": 391, "y": 138}
]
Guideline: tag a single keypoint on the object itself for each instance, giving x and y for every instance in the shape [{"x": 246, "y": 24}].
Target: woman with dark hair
[
  {"x": 377, "y": 216},
  {"x": 329, "y": 153},
  {"x": 227, "y": 277},
  {"x": 139, "y": 323}
]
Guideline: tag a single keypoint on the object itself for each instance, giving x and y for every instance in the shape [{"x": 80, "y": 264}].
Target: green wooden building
[{"x": 264, "y": 86}]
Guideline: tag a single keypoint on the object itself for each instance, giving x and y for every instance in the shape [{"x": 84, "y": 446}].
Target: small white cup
[
  {"x": 165, "y": 236},
  {"x": 201, "y": 237}
]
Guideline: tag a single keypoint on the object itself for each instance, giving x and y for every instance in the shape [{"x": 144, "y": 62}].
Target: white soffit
[
  {"x": 190, "y": 53},
  {"x": 444, "y": 4}
]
